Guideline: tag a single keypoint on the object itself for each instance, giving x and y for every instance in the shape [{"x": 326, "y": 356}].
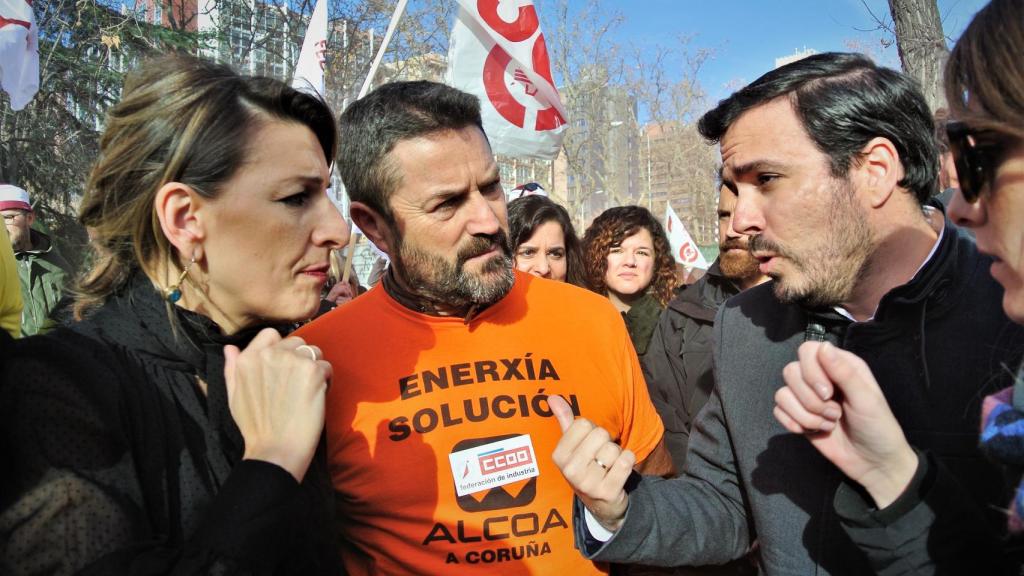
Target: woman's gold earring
[{"x": 173, "y": 293}]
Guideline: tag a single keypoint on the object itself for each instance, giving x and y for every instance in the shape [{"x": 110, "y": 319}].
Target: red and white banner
[
  {"x": 497, "y": 52},
  {"x": 19, "y": 52},
  {"x": 309, "y": 72},
  {"x": 683, "y": 247}
]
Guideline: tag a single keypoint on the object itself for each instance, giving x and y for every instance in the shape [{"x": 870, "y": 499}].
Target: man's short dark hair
[
  {"x": 843, "y": 101},
  {"x": 372, "y": 126}
]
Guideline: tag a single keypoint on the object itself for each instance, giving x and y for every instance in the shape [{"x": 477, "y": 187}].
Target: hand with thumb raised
[{"x": 594, "y": 465}]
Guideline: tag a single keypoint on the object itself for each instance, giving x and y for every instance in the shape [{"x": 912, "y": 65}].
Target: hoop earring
[{"x": 173, "y": 293}]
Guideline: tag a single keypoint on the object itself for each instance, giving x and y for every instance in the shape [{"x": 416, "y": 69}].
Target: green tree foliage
[{"x": 48, "y": 148}]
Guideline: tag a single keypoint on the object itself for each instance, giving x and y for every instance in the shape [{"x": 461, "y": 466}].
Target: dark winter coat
[
  {"x": 116, "y": 463},
  {"x": 677, "y": 365},
  {"x": 937, "y": 346}
]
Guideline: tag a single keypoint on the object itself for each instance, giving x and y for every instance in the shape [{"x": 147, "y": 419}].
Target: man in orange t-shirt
[{"x": 439, "y": 433}]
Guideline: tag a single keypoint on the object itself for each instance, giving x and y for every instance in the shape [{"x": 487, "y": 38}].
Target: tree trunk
[{"x": 922, "y": 45}]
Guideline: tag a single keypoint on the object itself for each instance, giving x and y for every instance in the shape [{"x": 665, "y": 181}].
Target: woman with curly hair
[
  {"x": 544, "y": 241},
  {"x": 628, "y": 259}
]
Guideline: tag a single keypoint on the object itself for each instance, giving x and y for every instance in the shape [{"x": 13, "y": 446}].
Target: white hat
[{"x": 12, "y": 197}]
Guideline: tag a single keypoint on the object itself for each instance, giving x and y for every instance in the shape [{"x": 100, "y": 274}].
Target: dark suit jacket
[{"x": 937, "y": 346}]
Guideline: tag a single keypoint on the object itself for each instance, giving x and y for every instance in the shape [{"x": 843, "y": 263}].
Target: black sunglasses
[{"x": 976, "y": 155}]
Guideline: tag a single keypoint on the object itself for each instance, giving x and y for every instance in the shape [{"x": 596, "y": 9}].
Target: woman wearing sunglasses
[
  {"x": 934, "y": 526},
  {"x": 985, "y": 89}
]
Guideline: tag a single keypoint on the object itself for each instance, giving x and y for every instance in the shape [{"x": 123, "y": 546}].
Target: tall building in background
[
  {"x": 255, "y": 37},
  {"x": 516, "y": 171},
  {"x": 796, "y": 55},
  {"x": 601, "y": 151},
  {"x": 424, "y": 67},
  {"x": 678, "y": 167},
  {"x": 173, "y": 14}
]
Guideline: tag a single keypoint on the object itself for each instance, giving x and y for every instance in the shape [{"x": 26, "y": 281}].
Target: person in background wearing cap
[
  {"x": 10, "y": 293},
  {"x": 41, "y": 268}
]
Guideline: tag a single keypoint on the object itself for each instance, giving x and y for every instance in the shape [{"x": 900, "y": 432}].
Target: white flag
[
  {"x": 497, "y": 52},
  {"x": 19, "y": 52},
  {"x": 683, "y": 247},
  {"x": 309, "y": 72}
]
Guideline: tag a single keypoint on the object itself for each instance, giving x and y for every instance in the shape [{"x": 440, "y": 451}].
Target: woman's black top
[{"x": 114, "y": 461}]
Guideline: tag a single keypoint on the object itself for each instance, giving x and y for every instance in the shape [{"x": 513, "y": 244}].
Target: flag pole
[{"x": 399, "y": 10}]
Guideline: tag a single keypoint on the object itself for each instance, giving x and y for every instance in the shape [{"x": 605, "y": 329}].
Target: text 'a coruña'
[
  {"x": 475, "y": 410},
  {"x": 511, "y": 554},
  {"x": 503, "y": 370}
]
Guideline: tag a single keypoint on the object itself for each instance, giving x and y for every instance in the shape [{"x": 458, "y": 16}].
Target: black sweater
[{"x": 116, "y": 463}]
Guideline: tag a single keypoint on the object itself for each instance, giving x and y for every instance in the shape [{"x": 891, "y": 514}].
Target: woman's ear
[{"x": 177, "y": 206}]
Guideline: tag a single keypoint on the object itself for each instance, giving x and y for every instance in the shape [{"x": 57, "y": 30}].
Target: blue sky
[{"x": 747, "y": 35}]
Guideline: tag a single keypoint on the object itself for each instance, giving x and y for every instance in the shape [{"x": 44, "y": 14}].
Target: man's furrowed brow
[{"x": 756, "y": 166}]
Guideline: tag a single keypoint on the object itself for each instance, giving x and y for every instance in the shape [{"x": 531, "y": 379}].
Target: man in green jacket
[
  {"x": 10, "y": 293},
  {"x": 41, "y": 269}
]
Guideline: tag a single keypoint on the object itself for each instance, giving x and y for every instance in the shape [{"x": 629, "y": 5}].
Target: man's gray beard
[{"x": 435, "y": 279}]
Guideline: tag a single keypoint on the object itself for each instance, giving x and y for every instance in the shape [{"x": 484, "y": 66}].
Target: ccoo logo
[{"x": 497, "y": 498}]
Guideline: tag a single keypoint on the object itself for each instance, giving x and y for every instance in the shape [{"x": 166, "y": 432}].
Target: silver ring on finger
[{"x": 310, "y": 349}]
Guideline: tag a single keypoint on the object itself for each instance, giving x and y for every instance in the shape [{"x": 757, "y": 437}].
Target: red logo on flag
[
  {"x": 522, "y": 28},
  {"x": 496, "y": 66},
  {"x": 688, "y": 253},
  {"x": 498, "y": 52},
  {"x": 502, "y": 98}
]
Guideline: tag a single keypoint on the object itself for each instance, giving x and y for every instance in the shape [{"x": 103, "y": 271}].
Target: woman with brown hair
[
  {"x": 936, "y": 524},
  {"x": 174, "y": 429},
  {"x": 544, "y": 241},
  {"x": 627, "y": 258},
  {"x": 985, "y": 89}
]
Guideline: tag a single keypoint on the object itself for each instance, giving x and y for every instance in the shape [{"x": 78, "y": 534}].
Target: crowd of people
[{"x": 841, "y": 393}]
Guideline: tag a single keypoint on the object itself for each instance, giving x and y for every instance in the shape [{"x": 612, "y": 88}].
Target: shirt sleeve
[
  {"x": 934, "y": 527},
  {"x": 695, "y": 519},
  {"x": 594, "y": 528}
]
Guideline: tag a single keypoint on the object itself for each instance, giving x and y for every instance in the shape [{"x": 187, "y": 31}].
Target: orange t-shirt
[{"x": 419, "y": 407}]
